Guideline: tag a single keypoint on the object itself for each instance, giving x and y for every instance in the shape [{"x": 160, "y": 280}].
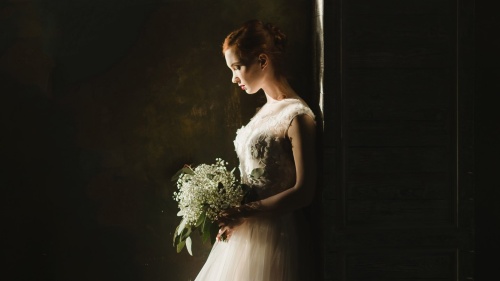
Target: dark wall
[
  {"x": 487, "y": 117},
  {"x": 102, "y": 101}
]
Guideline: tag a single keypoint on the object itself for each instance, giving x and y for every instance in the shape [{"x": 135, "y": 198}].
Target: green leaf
[
  {"x": 181, "y": 226},
  {"x": 205, "y": 229},
  {"x": 175, "y": 235},
  {"x": 187, "y": 170},
  {"x": 214, "y": 229},
  {"x": 187, "y": 231},
  {"x": 180, "y": 245},
  {"x": 205, "y": 236},
  {"x": 201, "y": 219},
  {"x": 184, "y": 170},
  {"x": 188, "y": 245},
  {"x": 256, "y": 173}
]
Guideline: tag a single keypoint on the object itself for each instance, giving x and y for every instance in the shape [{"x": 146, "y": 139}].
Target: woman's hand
[
  {"x": 229, "y": 220},
  {"x": 232, "y": 218},
  {"x": 224, "y": 234}
]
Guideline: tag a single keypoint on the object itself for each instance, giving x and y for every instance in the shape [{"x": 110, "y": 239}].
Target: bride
[{"x": 267, "y": 239}]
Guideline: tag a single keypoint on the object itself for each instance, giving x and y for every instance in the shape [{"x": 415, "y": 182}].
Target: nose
[{"x": 234, "y": 78}]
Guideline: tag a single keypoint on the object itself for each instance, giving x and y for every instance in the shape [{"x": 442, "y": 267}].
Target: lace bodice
[{"x": 264, "y": 150}]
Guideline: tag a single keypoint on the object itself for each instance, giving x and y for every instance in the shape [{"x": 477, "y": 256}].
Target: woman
[{"x": 266, "y": 240}]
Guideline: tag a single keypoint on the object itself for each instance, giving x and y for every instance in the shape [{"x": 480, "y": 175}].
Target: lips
[{"x": 242, "y": 87}]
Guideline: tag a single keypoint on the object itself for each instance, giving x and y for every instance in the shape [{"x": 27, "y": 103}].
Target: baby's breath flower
[{"x": 210, "y": 188}]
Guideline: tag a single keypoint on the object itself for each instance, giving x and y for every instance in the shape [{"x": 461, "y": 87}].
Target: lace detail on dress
[{"x": 264, "y": 151}]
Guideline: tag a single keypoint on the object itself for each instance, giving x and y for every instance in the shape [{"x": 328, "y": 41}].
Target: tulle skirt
[{"x": 262, "y": 249}]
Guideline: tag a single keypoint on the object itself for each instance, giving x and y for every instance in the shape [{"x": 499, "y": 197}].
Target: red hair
[{"x": 255, "y": 38}]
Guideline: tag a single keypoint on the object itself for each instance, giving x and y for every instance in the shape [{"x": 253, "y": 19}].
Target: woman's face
[{"x": 248, "y": 76}]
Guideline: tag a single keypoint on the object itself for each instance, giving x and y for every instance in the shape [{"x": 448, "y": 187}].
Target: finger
[
  {"x": 228, "y": 235},
  {"x": 221, "y": 233}
]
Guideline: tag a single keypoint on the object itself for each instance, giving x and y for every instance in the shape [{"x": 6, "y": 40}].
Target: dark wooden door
[{"x": 398, "y": 92}]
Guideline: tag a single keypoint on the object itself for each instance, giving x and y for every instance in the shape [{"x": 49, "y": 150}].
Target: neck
[{"x": 278, "y": 89}]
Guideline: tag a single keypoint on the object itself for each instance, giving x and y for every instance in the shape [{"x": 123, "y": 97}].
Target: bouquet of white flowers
[{"x": 203, "y": 194}]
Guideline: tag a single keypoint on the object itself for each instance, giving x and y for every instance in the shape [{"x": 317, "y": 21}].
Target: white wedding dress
[{"x": 273, "y": 248}]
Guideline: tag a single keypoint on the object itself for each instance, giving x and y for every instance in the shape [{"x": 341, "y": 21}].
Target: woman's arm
[{"x": 301, "y": 133}]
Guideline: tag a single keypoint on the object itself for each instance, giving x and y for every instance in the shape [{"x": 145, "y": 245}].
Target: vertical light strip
[
  {"x": 457, "y": 117},
  {"x": 319, "y": 50}
]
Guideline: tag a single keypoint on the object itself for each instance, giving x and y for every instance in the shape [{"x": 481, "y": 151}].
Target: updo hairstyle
[{"x": 255, "y": 38}]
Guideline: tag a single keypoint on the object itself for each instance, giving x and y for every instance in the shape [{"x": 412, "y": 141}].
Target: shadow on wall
[{"x": 102, "y": 103}]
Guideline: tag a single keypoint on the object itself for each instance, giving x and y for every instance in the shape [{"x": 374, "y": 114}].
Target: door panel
[{"x": 398, "y": 140}]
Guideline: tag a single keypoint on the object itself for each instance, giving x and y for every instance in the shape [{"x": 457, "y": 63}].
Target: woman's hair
[{"x": 255, "y": 38}]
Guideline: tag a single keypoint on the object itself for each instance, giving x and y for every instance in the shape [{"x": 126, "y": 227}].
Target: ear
[{"x": 263, "y": 60}]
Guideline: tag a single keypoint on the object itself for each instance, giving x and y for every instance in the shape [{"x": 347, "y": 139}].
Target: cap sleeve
[{"x": 293, "y": 110}]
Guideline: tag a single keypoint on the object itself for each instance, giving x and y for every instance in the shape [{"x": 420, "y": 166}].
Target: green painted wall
[{"x": 102, "y": 101}]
